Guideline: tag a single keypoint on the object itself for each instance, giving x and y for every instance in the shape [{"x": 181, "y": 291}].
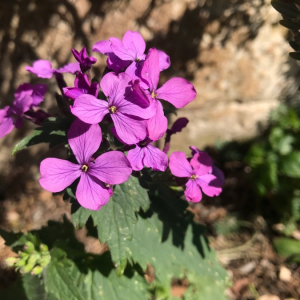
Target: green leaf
[
  {"x": 280, "y": 141},
  {"x": 114, "y": 221},
  {"x": 34, "y": 288},
  {"x": 289, "y": 164},
  {"x": 194, "y": 261},
  {"x": 285, "y": 9},
  {"x": 58, "y": 279},
  {"x": 53, "y": 131},
  {"x": 287, "y": 247}
]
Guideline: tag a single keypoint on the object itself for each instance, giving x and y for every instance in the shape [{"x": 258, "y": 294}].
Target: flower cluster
[{"x": 125, "y": 104}]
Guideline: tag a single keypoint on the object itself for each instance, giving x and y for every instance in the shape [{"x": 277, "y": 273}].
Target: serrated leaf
[
  {"x": 285, "y": 9},
  {"x": 289, "y": 164},
  {"x": 114, "y": 221},
  {"x": 58, "y": 279},
  {"x": 53, "y": 131},
  {"x": 34, "y": 288},
  {"x": 195, "y": 261}
]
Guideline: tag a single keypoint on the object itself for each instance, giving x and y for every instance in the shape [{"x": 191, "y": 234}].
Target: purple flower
[
  {"x": 215, "y": 170},
  {"x": 178, "y": 125},
  {"x": 128, "y": 53},
  {"x": 145, "y": 154},
  {"x": 110, "y": 167},
  {"x": 82, "y": 86},
  {"x": 26, "y": 97},
  {"x": 43, "y": 68},
  {"x": 84, "y": 60},
  {"x": 199, "y": 174},
  {"x": 177, "y": 91},
  {"x": 127, "y": 113}
]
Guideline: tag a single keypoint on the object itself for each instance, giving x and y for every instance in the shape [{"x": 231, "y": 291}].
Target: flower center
[
  {"x": 137, "y": 60},
  {"x": 112, "y": 109},
  {"x": 153, "y": 95},
  {"x": 84, "y": 168},
  {"x": 193, "y": 177}
]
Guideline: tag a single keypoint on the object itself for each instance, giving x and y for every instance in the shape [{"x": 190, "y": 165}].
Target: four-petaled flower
[
  {"x": 199, "y": 173},
  {"x": 109, "y": 168},
  {"x": 128, "y": 115}
]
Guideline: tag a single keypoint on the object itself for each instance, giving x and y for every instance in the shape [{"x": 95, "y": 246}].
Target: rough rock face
[{"x": 233, "y": 51}]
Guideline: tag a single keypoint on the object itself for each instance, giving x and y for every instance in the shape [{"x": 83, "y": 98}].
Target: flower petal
[
  {"x": 120, "y": 50},
  {"x": 154, "y": 158},
  {"x": 210, "y": 184},
  {"x": 72, "y": 92},
  {"x": 164, "y": 60},
  {"x": 135, "y": 157},
  {"x": 202, "y": 163},
  {"x": 103, "y": 47},
  {"x": 94, "y": 89},
  {"x": 82, "y": 82},
  {"x": 150, "y": 70},
  {"x": 179, "y": 165},
  {"x": 192, "y": 191},
  {"x": 91, "y": 192},
  {"x": 6, "y": 125},
  {"x": 219, "y": 174},
  {"x": 130, "y": 129},
  {"x": 89, "y": 109},
  {"x": 158, "y": 124},
  {"x": 69, "y": 68},
  {"x": 177, "y": 91},
  {"x": 111, "y": 167},
  {"x": 115, "y": 63},
  {"x": 57, "y": 174},
  {"x": 42, "y": 68},
  {"x": 114, "y": 86},
  {"x": 134, "y": 43},
  {"x": 84, "y": 140},
  {"x": 38, "y": 94},
  {"x": 21, "y": 105}
]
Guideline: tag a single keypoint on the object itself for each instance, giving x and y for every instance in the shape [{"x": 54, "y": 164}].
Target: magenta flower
[
  {"x": 109, "y": 168},
  {"x": 145, "y": 154},
  {"x": 82, "y": 86},
  {"x": 128, "y": 115},
  {"x": 177, "y": 91},
  {"x": 26, "y": 97},
  {"x": 199, "y": 174},
  {"x": 215, "y": 170},
  {"x": 84, "y": 60},
  {"x": 128, "y": 53},
  {"x": 43, "y": 68}
]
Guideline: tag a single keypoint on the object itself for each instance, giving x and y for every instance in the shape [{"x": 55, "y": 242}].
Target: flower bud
[
  {"x": 29, "y": 247},
  {"x": 10, "y": 261},
  {"x": 36, "y": 270},
  {"x": 44, "y": 248},
  {"x": 27, "y": 268}
]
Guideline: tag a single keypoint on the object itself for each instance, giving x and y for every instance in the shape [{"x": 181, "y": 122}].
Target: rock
[
  {"x": 247, "y": 268},
  {"x": 240, "y": 286},
  {"x": 285, "y": 274},
  {"x": 269, "y": 297}
]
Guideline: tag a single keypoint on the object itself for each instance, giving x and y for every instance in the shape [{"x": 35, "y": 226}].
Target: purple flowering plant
[{"x": 113, "y": 128}]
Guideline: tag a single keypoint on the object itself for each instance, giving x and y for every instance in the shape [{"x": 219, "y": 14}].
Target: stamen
[
  {"x": 84, "y": 168},
  {"x": 137, "y": 59},
  {"x": 193, "y": 177},
  {"x": 153, "y": 95},
  {"x": 112, "y": 109}
]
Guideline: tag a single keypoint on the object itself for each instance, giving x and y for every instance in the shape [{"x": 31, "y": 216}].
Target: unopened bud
[
  {"x": 36, "y": 270},
  {"x": 10, "y": 261},
  {"x": 44, "y": 261},
  {"x": 29, "y": 247},
  {"x": 21, "y": 262},
  {"x": 27, "y": 268},
  {"x": 44, "y": 248},
  {"x": 33, "y": 258}
]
